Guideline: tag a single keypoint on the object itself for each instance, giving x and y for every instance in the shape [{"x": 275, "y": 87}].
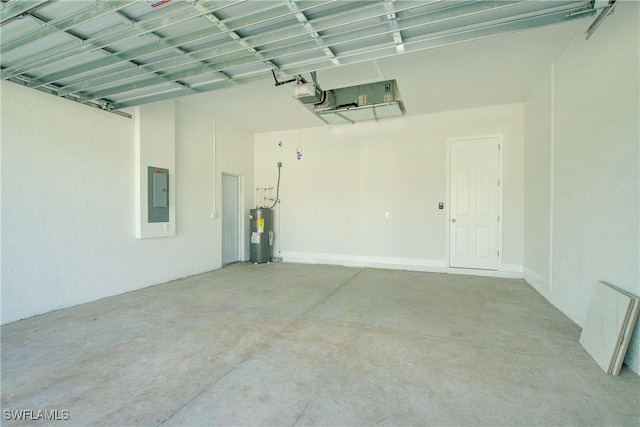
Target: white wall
[
  {"x": 235, "y": 156},
  {"x": 537, "y": 185},
  {"x": 68, "y": 229},
  {"x": 334, "y": 200},
  {"x": 155, "y": 145},
  {"x": 199, "y": 136},
  {"x": 595, "y": 196}
]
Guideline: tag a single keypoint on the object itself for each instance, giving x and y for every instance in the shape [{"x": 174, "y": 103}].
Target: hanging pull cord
[{"x": 299, "y": 149}]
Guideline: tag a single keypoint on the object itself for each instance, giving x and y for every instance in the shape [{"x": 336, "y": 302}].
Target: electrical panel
[
  {"x": 160, "y": 189},
  {"x": 158, "y": 194}
]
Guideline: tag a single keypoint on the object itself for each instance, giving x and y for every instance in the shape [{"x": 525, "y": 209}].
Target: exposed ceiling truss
[{"x": 114, "y": 54}]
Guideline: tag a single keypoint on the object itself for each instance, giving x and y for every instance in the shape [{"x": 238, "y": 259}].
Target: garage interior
[
  {"x": 297, "y": 344},
  {"x": 123, "y": 304}
]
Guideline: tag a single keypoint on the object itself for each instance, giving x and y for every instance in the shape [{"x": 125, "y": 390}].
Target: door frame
[
  {"x": 240, "y": 219},
  {"x": 500, "y": 196}
]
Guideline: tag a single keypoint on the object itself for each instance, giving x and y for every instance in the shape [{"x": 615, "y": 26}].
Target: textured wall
[
  {"x": 537, "y": 184},
  {"x": 155, "y": 145},
  {"x": 334, "y": 200},
  {"x": 68, "y": 217},
  {"x": 597, "y": 165},
  {"x": 583, "y": 130}
]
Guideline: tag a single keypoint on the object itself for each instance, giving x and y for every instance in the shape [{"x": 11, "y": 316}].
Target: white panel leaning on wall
[{"x": 611, "y": 319}]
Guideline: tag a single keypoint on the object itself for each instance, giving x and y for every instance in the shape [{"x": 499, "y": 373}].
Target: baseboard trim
[
  {"x": 538, "y": 282},
  {"x": 396, "y": 263},
  {"x": 415, "y": 264}
]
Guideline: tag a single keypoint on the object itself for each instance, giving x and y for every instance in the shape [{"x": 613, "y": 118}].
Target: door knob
[{"x": 453, "y": 220}]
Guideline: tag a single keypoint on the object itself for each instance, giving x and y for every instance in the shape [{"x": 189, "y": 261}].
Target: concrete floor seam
[
  {"x": 294, "y": 319},
  {"x": 304, "y": 316},
  {"x": 295, "y": 423},
  {"x": 196, "y": 395},
  {"x": 233, "y": 368},
  {"x": 333, "y": 292},
  {"x": 289, "y": 315}
]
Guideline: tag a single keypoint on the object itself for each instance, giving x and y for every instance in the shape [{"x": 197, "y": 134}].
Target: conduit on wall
[{"x": 214, "y": 211}]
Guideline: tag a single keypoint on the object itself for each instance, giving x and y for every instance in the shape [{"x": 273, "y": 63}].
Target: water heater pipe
[{"x": 277, "y": 199}]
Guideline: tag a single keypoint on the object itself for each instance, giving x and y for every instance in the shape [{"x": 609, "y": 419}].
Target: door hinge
[
  {"x": 498, "y": 218},
  {"x": 498, "y": 254},
  {"x": 498, "y": 183},
  {"x": 498, "y": 147}
]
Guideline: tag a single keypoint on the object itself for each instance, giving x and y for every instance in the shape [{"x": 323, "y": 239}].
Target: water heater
[{"x": 261, "y": 227}]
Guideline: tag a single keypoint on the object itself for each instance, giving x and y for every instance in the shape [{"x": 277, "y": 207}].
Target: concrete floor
[{"x": 291, "y": 344}]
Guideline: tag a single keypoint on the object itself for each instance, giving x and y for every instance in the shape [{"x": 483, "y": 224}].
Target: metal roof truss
[{"x": 114, "y": 54}]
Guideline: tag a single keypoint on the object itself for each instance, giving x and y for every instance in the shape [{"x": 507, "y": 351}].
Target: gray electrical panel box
[
  {"x": 158, "y": 194},
  {"x": 160, "y": 189}
]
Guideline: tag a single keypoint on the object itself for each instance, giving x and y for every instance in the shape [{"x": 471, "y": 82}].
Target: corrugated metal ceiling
[{"x": 121, "y": 53}]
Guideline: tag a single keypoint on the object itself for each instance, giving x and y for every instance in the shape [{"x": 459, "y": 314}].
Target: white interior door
[
  {"x": 474, "y": 220},
  {"x": 230, "y": 216}
]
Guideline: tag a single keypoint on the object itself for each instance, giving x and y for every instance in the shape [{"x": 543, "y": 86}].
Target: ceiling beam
[
  {"x": 10, "y": 11},
  {"x": 173, "y": 93},
  {"x": 237, "y": 38},
  {"x": 236, "y": 45},
  {"x": 423, "y": 43},
  {"x": 369, "y": 11},
  {"x": 264, "y": 56},
  {"x": 438, "y": 19},
  {"x": 15, "y": 9},
  {"x": 56, "y": 90},
  {"x": 160, "y": 19},
  {"x": 65, "y": 23},
  {"x": 124, "y": 56},
  {"x": 393, "y": 24},
  {"x": 313, "y": 32},
  {"x": 234, "y": 23},
  {"x": 136, "y": 67},
  {"x": 186, "y": 57},
  {"x": 234, "y": 50},
  {"x": 438, "y": 40}
]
